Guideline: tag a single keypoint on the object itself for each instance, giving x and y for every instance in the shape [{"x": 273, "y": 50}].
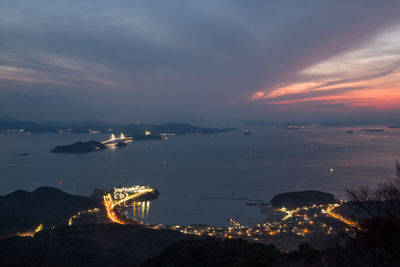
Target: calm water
[{"x": 186, "y": 169}]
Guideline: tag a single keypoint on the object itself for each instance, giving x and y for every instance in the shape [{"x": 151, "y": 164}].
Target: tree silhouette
[
  {"x": 379, "y": 202},
  {"x": 377, "y": 240}
]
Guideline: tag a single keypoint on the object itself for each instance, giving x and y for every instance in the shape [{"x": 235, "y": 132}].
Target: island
[
  {"x": 79, "y": 147},
  {"x": 372, "y": 130},
  {"x": 350, "y": 132},
  {"x": 293, "y": 200},
  {"x": 91, "y": 146}
]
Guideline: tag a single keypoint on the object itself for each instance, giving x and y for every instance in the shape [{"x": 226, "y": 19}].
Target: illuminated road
[
  {"x": 289, "y": 213},
  {"x": 341, "y": 218},
  {"x": 109, "y": 203},
  {"x": 76, "y": 216},
  {"x": 328, "y": 211},
  {"x": 32, "y": 232}
]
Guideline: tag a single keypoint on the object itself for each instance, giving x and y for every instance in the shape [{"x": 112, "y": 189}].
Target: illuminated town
[{"x": 280, "y": 225}]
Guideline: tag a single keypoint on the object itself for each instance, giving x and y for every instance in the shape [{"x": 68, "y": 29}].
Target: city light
[
  {"x": 122, "y": 195},
  {"x": 32, "y": 232}
]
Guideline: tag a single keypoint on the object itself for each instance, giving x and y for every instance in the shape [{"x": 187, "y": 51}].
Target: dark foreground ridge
[
  {"x": 134, "y": 245},
  {"x": 293, "y": 200},
  {"x": 87, "y": 245},
  {"x": 21, "y": 210},
  {"x": 80, "y": 147},
  {"x": 230, "y": 252}
]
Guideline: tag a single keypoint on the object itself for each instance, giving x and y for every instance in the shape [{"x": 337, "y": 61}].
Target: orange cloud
[{"x": 368, "y": 77}]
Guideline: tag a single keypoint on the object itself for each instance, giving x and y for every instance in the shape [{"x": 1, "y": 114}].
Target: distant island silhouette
[
  {"x": 372, "y": 130},
  {"x": 79, "y": 147},
  {"x": 130, "y": 129}
]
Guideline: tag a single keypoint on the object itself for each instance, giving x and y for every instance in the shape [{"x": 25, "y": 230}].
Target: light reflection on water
[
  {"x": 187, "y": 169},
  {"x": 139, "y": 212}
]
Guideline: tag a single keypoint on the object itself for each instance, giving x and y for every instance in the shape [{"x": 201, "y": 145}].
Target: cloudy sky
[{"x": 199, "y": 60}]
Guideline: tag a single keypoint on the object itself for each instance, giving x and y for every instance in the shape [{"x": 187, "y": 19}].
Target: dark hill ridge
[
  {"x": 88, "y": 245},
  {"x": 21, "y": 210},
  {"x": 292, "y": 200},
  {"x": 79, "y": 147},
  {"x": 130, "y": 129},
  {"x": 29, "y": 126},
  {"x": 230, "y": 252}
]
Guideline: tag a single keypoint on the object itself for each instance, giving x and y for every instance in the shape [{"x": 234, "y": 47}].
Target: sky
[{"x": 199, "y": 60}]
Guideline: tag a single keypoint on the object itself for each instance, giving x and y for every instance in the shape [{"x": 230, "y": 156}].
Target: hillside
[
  {"x": 293, "y": 200},
  {"x": 87, "y": 245},
  {"x": 22, "y": 210}
]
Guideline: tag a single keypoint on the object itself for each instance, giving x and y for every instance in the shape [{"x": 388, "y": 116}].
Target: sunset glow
[{"x": 368, "y": 77}]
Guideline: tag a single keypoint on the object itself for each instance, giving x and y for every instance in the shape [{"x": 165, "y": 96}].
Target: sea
[{"x": 206, "y": 179}]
